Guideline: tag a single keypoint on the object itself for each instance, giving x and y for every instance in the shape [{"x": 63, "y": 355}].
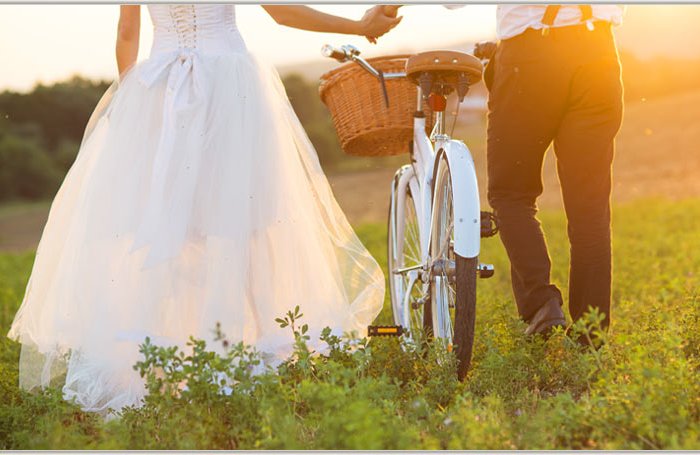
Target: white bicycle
[{"x": 435, "y": 222}]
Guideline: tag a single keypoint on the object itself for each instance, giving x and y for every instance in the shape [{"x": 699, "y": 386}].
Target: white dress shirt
[{"x": 515, "y": 19}]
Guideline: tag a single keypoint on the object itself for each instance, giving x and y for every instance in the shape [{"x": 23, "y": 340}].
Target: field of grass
[{"x": 640, "y": 391}]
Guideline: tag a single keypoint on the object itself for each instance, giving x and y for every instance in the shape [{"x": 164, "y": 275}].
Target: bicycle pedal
[
  {"x": 489, "y": 224},
  {"x": 385, "y": 330},
  {"x": 485, "y": 270}
]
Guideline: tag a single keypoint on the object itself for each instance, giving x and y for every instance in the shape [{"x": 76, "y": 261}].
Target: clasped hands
[{"x": 378, "y": 20}]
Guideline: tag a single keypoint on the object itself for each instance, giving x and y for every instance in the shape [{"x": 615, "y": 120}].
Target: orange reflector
[
  {"x": 385, "y": 330},
  {"x": 437, "y": 103}
]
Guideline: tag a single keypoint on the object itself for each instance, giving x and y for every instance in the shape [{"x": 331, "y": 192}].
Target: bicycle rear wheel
[
  {"x": 453, "y": 278},
  {"x": 407, "y": 292}
]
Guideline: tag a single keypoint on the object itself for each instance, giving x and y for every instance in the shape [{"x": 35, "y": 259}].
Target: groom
[{"x": 555, "y": 78}]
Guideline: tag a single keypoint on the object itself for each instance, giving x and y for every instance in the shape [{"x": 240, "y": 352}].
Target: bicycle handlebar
[
  {"x": 349, "y": 53},
  {"x": 341, "y": 54}
]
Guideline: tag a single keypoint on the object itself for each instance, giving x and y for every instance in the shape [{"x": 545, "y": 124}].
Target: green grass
[{"x": 641, "y": 391}]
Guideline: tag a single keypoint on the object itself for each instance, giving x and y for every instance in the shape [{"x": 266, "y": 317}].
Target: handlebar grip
[
  {"x": 485, "y": 50},
  {"x": 333, "y": 52}
]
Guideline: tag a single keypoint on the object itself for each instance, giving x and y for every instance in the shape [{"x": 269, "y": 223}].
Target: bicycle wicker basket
[{"x": 365, "y": 126}]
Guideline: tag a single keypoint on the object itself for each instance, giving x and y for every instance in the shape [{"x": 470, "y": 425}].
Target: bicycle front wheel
[{"x": 453, "y": 278}]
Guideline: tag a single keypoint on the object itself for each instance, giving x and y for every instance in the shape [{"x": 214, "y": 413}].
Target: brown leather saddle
[{"x": 442, "y": 72}]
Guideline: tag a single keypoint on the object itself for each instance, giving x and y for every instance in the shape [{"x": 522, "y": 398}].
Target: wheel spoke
[{"x": 445, "y": 292}]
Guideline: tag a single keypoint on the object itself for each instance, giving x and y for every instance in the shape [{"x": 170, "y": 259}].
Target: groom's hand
[{"x": 378, "y": 20}]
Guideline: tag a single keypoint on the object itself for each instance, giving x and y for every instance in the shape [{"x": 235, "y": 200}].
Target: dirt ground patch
[
  {"x": 21, "y": 225},
  {"x": 657, "y": 155}
]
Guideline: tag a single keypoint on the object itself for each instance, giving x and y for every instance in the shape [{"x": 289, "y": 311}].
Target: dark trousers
[{"x": 564, "y": 88}]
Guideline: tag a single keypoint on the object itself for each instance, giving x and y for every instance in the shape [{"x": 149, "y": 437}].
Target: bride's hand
[{"x": 378, "y": 20}]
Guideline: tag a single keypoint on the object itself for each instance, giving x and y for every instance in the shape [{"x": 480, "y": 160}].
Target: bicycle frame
[
  {"x": 433, "y": 158},
  {"x": 435, "y": 220}
]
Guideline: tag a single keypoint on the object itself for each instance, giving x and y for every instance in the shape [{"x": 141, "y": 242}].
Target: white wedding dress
[{"x": 196, "y": 198}]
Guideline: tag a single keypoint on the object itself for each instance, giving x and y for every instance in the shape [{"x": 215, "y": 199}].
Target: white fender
[
  {"x": 467, "y": 223},
  {"x": 403, "y": 178}
]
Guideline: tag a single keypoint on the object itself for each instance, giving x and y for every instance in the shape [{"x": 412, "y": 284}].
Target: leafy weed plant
[{"x": 639, "y": 390}]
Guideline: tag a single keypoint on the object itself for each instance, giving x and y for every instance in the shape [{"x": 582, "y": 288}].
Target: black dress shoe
[{"x": 549, "y": 316}]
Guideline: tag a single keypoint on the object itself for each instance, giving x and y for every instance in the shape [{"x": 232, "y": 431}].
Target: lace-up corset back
[{"x": 209, "y": 29}]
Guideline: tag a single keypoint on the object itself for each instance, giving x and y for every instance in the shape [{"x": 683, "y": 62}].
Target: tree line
[{"x": 41, "y": 130}]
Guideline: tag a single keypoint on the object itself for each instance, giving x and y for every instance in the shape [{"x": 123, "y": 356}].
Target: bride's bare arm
[
  {"x": 128, "y": 36},
  {"x": 373, "y": 24}
]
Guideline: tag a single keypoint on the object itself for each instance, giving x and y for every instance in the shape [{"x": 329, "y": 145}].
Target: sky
[
  {"x": 46, "y": 43},
  {"x": 52, "y": 42}
]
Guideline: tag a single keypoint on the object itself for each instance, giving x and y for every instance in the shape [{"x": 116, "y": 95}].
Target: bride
[{"x": 196, "y": 198}]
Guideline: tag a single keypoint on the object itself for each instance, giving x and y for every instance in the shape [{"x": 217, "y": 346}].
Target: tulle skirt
[{"x": 196, "y": 199}]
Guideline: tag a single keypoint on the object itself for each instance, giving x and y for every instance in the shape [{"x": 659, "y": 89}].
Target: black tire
[
  {"x": 453, "y": 290},
  {"x": 465, "y": 312}
]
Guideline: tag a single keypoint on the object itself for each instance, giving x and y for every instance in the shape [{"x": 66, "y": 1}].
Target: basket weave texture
[{"x": 365, "y": 126}]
